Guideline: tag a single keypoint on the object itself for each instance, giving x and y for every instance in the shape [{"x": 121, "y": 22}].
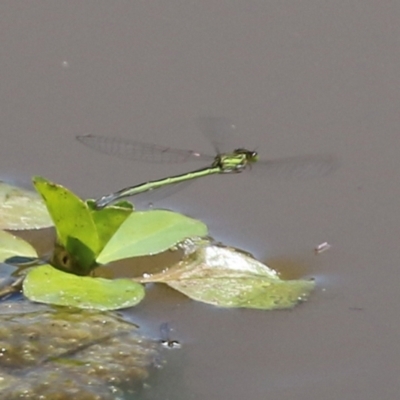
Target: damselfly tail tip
[{"x": 103, "y": 202}]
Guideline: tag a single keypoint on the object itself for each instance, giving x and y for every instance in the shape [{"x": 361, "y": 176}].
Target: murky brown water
[{"x": 297, "y": 78}]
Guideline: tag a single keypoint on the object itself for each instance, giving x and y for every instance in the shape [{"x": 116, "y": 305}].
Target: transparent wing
[
  {"x": 133, "y": 150},
  {"x": 221, "y": 132},
  {"x": 301, "y": 167}
]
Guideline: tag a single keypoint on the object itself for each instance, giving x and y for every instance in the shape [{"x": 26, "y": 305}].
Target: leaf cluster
[{"x": 88, "y": 237}]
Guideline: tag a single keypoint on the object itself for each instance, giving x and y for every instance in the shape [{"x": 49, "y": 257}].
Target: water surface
[{"x": 296, "y": 78}]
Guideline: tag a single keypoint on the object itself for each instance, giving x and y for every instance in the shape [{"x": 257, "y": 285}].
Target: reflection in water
[{"x": 166, "y": 340}]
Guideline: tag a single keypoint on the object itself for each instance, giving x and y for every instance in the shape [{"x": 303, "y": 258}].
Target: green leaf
[
  {"x": 150, "y": 232},
  {"x": 22, "y": 209},
  {"x": 81, "y": 230},
  {"x": 226, "y": 277},
  {"x": 107, "y": 222},
  {"x": 46, "y": 284},
  {"x": 70, "y": 214},
  {"x": 13, "y": 246}
]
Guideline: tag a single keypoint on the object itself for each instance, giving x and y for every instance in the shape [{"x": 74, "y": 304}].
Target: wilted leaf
[
  {"x": 226, "y": 277},
  {"x": 150, "y": 232},
  {"x": 13, "y": 246},
  {"x": 22, "y": 209},
  {"x": 46, "y": 284}
]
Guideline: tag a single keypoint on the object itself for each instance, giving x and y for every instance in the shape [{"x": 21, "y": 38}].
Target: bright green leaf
[
  {"x": 81, "y": 230},
  {"x": 22, "y": 209},
  {"x": 46, "y": 284},
  {"x": 226, "y": 277},
  {"x": 150, "y": 232},
  {"x": 13, "y": 246},
  {"x": 108, "y": 220},
  {"x": 70, "y": 214}
]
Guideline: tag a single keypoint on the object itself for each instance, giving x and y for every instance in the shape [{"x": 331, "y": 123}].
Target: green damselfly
[{"x": 235, "y": 161}]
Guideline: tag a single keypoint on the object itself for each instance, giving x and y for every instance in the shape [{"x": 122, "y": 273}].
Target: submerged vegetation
[{"x": 67, "y": 353}]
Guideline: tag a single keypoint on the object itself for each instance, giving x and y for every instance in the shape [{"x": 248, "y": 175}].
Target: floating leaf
[
  {"x": 226, "y": 277},
  {"x": 13, "y": 246},
  {"x": 46, "y": 284},
  {"x": 22, "y": 209},
  {"x": 81, "y": 230},
  {"x": 150, "y": 232}
]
